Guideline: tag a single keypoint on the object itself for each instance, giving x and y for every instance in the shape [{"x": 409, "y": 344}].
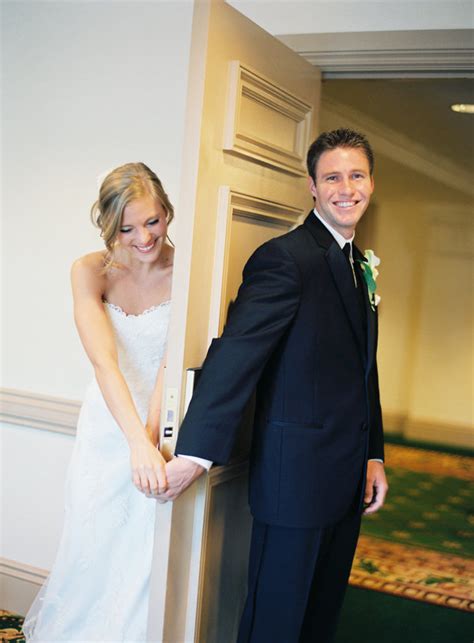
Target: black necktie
[
  {"x": 347, "y": 253},
  {"x": 356, "y": 280}
]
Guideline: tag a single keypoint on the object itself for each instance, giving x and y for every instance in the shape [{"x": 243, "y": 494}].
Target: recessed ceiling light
[{"x": 463, "y": 108}]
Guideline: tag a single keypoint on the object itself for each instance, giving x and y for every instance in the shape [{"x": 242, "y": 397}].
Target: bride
[{"x": 99, "y": 585}]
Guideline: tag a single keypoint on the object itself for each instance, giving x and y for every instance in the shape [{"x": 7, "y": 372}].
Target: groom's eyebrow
[
  {"x": 351, "y": 171},
  {"x": 330, "y": 173}
]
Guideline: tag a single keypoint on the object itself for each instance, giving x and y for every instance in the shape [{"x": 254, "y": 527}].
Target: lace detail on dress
[{"x": 120, "y": 310}]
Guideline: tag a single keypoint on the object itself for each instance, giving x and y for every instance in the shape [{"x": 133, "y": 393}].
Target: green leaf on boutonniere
[{"x": 369, "y": 269}]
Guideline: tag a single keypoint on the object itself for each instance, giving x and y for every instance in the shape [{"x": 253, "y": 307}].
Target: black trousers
[{"x": 297, "y": 581}]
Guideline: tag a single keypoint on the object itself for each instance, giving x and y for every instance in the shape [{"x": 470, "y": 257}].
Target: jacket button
[{"x": 364, "y": 426}]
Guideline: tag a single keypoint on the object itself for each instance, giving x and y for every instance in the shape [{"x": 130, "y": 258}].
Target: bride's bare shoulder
[{"x": 93, "y": 264}]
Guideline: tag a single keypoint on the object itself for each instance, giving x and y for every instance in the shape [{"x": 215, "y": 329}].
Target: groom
[{"x": 303, "y": 333}]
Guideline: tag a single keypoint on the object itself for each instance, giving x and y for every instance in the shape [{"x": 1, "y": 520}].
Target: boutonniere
[{"x": 369, "y": 268}]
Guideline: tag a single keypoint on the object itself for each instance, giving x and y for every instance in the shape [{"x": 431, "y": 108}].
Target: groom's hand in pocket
[{"x": 180, "y": 474}]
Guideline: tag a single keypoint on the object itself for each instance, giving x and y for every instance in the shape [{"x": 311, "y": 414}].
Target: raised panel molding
[
  {"x": 226, "y": 529},
  {"x": 39, "y": 411},
  {"x": 253, "y": 207},
  {"x": 235, "y": 206},
  {"x": 284, "y": 121}
]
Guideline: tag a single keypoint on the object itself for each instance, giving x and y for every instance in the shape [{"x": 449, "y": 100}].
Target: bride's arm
[{"x": 148, "y": 465}]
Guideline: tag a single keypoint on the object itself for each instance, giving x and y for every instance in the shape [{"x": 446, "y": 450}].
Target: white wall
[
  {"x": 86, "y": 86},
  {"x": 33, "y": 472},
  {"x": 339, "y": 16}
]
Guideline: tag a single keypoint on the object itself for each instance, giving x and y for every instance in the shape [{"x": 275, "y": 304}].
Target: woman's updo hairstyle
[{"x": 120, "y": 187}]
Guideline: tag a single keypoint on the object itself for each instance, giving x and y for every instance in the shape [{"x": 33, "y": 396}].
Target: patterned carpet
[
  {"x": 10, "y": 627},
  {"x": 421, "y": 544}
]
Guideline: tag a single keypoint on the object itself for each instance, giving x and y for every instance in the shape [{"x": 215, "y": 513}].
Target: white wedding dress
[{"x": 99, "y": 585}]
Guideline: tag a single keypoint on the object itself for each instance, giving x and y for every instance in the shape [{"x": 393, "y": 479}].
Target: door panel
[{"x": 252, "y": 112}]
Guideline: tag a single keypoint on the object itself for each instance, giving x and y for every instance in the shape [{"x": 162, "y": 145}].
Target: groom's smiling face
[{"x": 343, "y": 188}]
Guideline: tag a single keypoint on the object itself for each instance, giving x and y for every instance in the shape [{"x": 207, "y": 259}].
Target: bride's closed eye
[{"x": 126, "y": 229}]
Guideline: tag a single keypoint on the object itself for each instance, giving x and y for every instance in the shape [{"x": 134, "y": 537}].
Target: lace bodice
[{"x": 141, "y": 343}]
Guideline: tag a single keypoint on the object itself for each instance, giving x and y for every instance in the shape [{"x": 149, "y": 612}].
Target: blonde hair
[{"x": 126, "y": 183}]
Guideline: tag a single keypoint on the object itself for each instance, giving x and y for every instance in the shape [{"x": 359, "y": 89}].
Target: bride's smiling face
[{"x": 143, "y": 230}]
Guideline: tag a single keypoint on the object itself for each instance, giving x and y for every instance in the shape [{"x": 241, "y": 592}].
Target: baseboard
[
  {"x": 394, "y": 422},
  {"x": 19, "y": 584},
  {"x": 459, "y": 435},
  {"x": 424, "y": 430}
]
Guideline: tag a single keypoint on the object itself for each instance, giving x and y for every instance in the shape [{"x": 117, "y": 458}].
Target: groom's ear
[{"x": 312, "y": 187}]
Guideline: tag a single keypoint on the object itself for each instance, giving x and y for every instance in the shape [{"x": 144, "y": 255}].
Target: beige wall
[
  {"x": 423, "y": 233},
  {"x": 442, "y": 368}
]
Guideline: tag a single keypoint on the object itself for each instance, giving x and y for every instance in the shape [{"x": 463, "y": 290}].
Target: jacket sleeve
[
  {"x": 376, "y": 438},
  {"x": 264, "y": 308}
]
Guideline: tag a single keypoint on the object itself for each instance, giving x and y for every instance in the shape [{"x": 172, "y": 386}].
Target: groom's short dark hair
[{"x": 341, "y": 137}]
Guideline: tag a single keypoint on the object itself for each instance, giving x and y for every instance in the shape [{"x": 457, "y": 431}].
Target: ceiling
[{"x": 417, "y": 108}]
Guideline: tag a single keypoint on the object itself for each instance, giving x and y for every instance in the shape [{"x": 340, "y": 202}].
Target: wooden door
[{"x": 252, "y": 112}]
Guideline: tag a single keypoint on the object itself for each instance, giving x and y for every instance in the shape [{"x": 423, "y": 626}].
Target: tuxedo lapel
[
  {"x": 345, "y": 285},
  {"x": 342, "y": 276},
  {"x": 371, "y": 314}
]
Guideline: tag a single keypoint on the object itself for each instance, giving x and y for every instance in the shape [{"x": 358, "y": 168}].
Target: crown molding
[
  {"x": 387, "y": 54},
  {"x": 402, "y": 149}
]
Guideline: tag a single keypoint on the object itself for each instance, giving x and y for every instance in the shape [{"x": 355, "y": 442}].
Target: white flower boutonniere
[{"x": 371, "y": 273}]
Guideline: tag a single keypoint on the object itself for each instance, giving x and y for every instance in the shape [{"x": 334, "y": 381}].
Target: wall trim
[
  {"x": 39, "y": 411},
  {"x": 401, "y": 148},
  {"x": 20, "y": 584},
  {"x": 385, "y": 54},
  {"x": 28, "y": 573}
]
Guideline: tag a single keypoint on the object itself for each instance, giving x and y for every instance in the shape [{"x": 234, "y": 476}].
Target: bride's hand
[{"x": 148, "y": 467}]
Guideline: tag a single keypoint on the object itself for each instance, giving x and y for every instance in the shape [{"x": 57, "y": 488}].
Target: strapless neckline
[{"x": 147, "y": 311}]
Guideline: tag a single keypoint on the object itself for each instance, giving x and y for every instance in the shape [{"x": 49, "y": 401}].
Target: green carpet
[
  {"x": 373, "y": 617},
  {"x": 426, "y": 510}
]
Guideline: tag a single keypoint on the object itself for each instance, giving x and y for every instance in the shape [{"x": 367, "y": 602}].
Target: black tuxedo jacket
[{"x": 299, "y": 335}]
